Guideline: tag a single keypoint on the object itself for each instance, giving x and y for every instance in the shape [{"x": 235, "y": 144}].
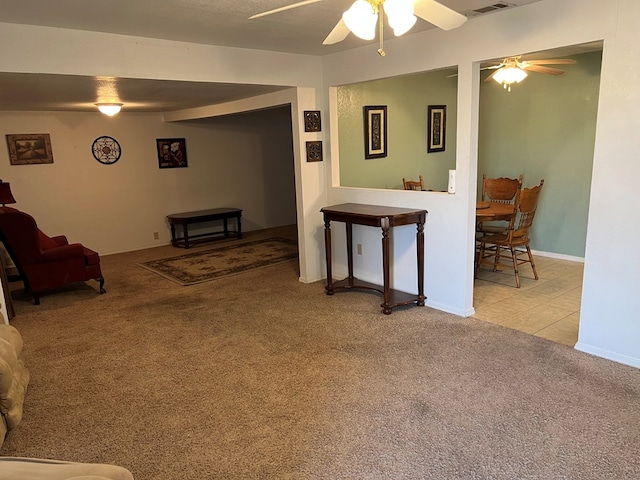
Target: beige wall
[{"x": 242, "y": 161}]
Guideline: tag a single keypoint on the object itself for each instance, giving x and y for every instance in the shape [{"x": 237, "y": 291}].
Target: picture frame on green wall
[
  {"x": 436, "y": 128},
  {"x": 375, "y": 131}
]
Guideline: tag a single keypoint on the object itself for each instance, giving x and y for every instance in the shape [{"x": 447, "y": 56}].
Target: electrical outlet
[
  {"x": 359, "y": 248},
  {"x": 156, "y": 235}
]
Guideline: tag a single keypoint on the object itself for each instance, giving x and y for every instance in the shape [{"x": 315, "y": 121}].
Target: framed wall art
[
  {"x": 375, "y": 131},
  {"x": 29, "y": 148},
  {"x": 312, "y": 121},
  {"x": 172, "y": 152},
  {"x": 314, "y": 151},
  {"x": 437, "y": 128},
  {"x": 106, "y": 150}
]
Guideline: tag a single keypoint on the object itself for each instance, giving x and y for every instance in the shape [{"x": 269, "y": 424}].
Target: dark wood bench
[{"x": 201, "y": 216}]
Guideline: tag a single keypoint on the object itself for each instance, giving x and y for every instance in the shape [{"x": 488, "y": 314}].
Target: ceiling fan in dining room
[
  {"x": 514, "y": 70},
  {"x": 364, "y": 16}
]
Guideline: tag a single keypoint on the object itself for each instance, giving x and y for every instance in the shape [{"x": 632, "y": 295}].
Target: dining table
[{"x": 487, "y": 211}]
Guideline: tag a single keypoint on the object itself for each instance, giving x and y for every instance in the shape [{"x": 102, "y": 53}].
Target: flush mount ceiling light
[
  {"x": 109, "y": 109},
  {"x": 363, "y": 15}
]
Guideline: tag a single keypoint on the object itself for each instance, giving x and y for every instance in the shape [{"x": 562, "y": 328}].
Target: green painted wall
[
  {"x": 407, "y": 99},
  {"x": 545, "y": 128}
]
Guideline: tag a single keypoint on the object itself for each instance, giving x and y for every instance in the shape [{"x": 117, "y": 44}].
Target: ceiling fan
[
  {"x": 513, "y": 70},
  {"x": 363, "y": 15}
]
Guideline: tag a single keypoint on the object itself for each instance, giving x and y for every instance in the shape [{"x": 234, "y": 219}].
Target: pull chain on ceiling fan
[{"x": 363, "y": 15}]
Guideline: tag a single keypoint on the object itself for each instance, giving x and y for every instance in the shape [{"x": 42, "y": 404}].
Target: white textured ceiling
[{"x": 215, "y": 22}]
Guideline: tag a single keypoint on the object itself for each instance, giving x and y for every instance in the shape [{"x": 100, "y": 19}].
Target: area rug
[{"x": 219, "y": 262}]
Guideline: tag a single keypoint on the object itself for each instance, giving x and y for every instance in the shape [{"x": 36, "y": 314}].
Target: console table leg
[
  {"x": 386, "y": 307},
  {"x": 327, "y": 249},
  {"x": 349, "y": 231},
  {"x": 239, "y": 226},
  {"x": 226, "y": 227},
  {"x": 420, "y": 255}
]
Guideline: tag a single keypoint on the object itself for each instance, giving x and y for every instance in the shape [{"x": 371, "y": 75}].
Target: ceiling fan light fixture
[
  {"x": 109, "y": 109},
  {"x": 401, "y": 15},
  {"x": 509, "y": 75},
  {"x": 361, "y": 19}
]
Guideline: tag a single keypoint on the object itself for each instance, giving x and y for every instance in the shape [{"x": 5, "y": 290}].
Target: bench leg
[
  {"x": 173, "y": 235},
  {"x": 185, "y": 233}
]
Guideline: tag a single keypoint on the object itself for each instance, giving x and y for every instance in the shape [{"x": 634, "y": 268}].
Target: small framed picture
[
  {"x": 312, "y": 121},
  {"x": 375, "y": 131},
  {"x": 314, "y": 151},
  {"x": 29, "y": 148},
  {"x": 172, "y": 152},
  {"x": 437, "y": 128}
]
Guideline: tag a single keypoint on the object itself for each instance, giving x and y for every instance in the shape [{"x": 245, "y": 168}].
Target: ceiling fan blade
[
  {"x": 339, "y": 33},
  {"x": 553, "y": 61},
  {"x": 282, "y": 9},
  {"x": 490, "y": 77},
  {"x": 492, "y": 67},
  {"x": 541, "y": 69},
  {"x": 439, "y": 15}
]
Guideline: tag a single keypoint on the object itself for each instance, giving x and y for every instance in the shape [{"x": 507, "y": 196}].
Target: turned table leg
[
  {"x": 386, "y": 306},
  {"x": 327, "y": 250}
]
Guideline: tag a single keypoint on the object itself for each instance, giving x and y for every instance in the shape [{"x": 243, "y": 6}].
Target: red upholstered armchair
[{"x": 45, "y": 262}]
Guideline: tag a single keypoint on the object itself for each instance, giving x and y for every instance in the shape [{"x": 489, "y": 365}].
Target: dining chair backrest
[
  {"x": 412, "y": 184},
  {"x": 502, "y": 190},
  {"x": 527, "y": 204}
]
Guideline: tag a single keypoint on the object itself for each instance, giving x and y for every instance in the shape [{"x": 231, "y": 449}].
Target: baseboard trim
[
  {"x": 447, "y": 308},
  {"x": 606, "y": 354},
  {"x": 559, "y": 256}
]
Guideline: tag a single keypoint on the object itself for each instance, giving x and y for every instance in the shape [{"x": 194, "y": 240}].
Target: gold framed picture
[{"x": 29, "y": 148}]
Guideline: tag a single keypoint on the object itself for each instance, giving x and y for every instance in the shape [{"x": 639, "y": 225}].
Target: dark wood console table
[
  {"x": 189, "y": 218},
  {"x": 385, "y": 218}
]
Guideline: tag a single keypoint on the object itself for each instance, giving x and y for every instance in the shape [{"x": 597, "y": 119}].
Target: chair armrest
[
  {"x": 60, "y": 240},
  {"x": 65, "y": 252}
]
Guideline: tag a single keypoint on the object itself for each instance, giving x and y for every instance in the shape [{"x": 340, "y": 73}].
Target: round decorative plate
[{"x": 106, "y": 150}]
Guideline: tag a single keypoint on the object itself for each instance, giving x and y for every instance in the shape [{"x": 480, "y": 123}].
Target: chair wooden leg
[
  {"x": 101, "y": 280},
  {"x": 515, "y": 266},
  {"x": 479, "y": 254},
  {"x": 496, "y": 259},
  {"x": 533, "y": 264}
]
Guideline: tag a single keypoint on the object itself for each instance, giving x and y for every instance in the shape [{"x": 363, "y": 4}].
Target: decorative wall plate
[
  {"x": 106, "y": 150},
  {"x": 312, "y": 121}
]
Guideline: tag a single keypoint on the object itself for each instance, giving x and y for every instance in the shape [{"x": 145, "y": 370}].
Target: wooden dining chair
[
  {"x": 412, "y": 184},
  {"x": 516, "y": 238},
  {"x": 500, "y": 190}
]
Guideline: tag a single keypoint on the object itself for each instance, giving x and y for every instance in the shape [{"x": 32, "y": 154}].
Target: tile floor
[{"x": 548, "y": 307}]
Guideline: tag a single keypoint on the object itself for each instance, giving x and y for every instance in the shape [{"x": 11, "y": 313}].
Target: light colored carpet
[
  {"x": 222, "y": 261},
  {"x": 258, "y": 376}
]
